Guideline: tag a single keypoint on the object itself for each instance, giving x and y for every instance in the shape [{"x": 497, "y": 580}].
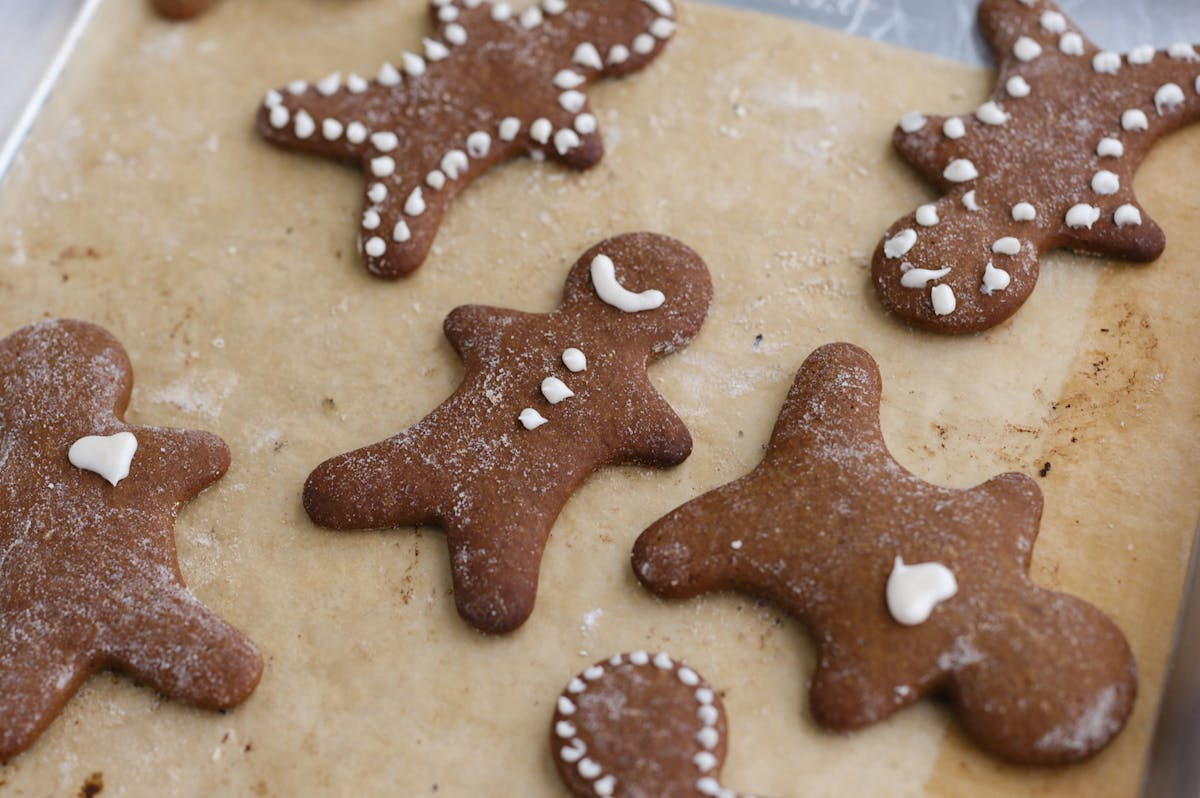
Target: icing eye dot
[{"x": 944, "y": 301}]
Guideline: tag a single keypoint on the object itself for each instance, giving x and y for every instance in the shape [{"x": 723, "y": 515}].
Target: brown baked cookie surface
[
  {"x": 907, "y": 588},
  {"x": 491, "y": 85},
  {"x": 181, "y": 9},
  {"x": 640, "y": 725},
  {"x": 88, "y": 575},
  {"x": 1047, "y": 162},
  {"x": 545, "y": 400}
]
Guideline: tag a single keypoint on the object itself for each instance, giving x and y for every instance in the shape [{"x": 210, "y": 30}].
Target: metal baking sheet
[{"x": 37, "y": 37}]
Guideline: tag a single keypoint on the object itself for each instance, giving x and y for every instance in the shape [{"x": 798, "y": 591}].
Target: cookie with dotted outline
[
  {"x": 88, "y": 574},
  {"x": 907, "y": 588},
  {"x": 639, "y": 725},
  {"x": 181, "y": 9},
  {"x": 1046, "y": 163},
  {"x": 489, "y": 86},
  {"x": 545, "y": 400}
]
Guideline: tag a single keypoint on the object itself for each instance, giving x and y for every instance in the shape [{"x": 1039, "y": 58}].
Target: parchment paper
[{"x": 145, "y": 202}]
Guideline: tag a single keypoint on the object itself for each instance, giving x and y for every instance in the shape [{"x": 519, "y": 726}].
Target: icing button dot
[
  {"x": 375, "y": 247},
  {"x": 401, "y": 232},
  {"x": 708, "y": 737},
  {"x": 279, "y": 117}
]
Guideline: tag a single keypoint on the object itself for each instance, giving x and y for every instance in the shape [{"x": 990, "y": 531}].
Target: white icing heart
[
  {"x": 109, "y": 456},
  {"x": 914, "y": 590}
]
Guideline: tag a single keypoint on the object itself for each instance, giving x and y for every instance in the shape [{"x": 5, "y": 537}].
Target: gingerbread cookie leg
[
  {"x": 1047, "y": 162},
  {"x": 38, "y": 675},
  {"x": 908, "y": 588}
]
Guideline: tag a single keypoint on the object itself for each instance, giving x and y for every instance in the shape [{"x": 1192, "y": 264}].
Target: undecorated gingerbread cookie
[
  {"x": 88, "y": 575},
  {"x": 907, "y": 588},
  {"x": 1047, "y": 162},
  {"x": 490, "y": 85},
  {"x": 545, "y": 400},
  {"x": 640, "y": 726}
]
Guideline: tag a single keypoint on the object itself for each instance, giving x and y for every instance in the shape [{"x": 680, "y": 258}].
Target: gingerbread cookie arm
[
  {"x": 475, "y": 331},
  {"x": 174, "y": 643},
  {"x": 163, "y": 450}
]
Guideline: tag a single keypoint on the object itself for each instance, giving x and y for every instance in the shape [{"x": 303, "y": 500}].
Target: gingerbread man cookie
[
  {"x": 639, "y": 725},
  {"x": 545, "y": 400},
  {"x": 88, "y": 575},
  {"x": 1046, "y": 163},
  {"x": 907, "y": 588},
  {"x": 489, "y": 86},
  {"x": 181, "y": 9}
]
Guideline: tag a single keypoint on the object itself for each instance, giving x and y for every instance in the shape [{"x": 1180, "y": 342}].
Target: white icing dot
[
  {"x": 447, "y": 13},
  {"x": 1127, "y": 215},
  {"x": 663, "y": 662},
  {"x": 593, "y": 673},
  {"x": 554, "y": 6},
  {"x": 1006, "y": 246},
  {"x": 272, "y": 98},
  {"x": 501, "y": 12},
  {"x": 436, "y": 180},
  {"x": 663, "y": 7},
  {"x": 991, "y": 114},
  {"x": 575, "y": 751},
  {"x": 435, "y": 50},
  {"x": 540, "y": 130},
  {"x": 704, "y": 761},
  {"x": 479, "y": 144},
  {"x": 953, "y": 128},
  {"x": 385, "y": 141},
  {"x": 662, "y": 28},
  {"x": 1168, "y": 97},
  {"x": 619, "y": 54},
  {"x": 708, "y": 737},
  {"x": 531, "y": 420},
  {"x": 899, "y": 244},
  {"x": 1082, "y": 215},
  {"x": 704, "y": 695},
  {"x": 1023, "y": 212},
  {"x": 960, "y": 170},
  {"x": 329, "y": 84},
  {"x": 604, "y": 787},
  {"x": 1110, "y": 148},
  {"x": 1026, "y": 49},
  {"x": 356, "y": 132},
  {"x": 574, "y": 360},
  {"x": 943, "y": 298},
  {"x": 455, "y": 163},
  {"x": 1198, "y": 84},
  {"x": 1106, "y": 182},
  {"x": 589, "y": 769},
  {"x": 1182, "y": 51},
  {"x": 585, "y": 124},
  {"x": 914, "y": 590},
  {"x": 377, "y": 193},
  {"x": 927, "y": 215},
  {"x": 919, "y": 278},
  {"x": 912, "y": 121},
  {"x": 456, "y": 35},
  {"x": 568, "y": 79},
  {"x": 1134, "y": 119},
  {"x": 1141, "y": 55},
  {"x": 383, "y": 166},
  {"x": 332, "y": 129},
  {"x": 994, "y": 280},
  {"x": 1017, "y": 86},
  {"x": 688, "y": 676},
  {"x": 969, "y": 202},
  {"x": 564, "y": 729},
  {"x": 1071, "y": 44},
  {"x": 356, "y": 84},
  {"x": 555, "y": 390},
  {"x": 401, "y": 232},
  {"x": 375, "y": 247},
  {"x": 371, "y": 220},
  {"x": 709, "y": 786},
  {"x": 415, "y": 204},
  {"x": 107, "y": 455},
  {"x": 604, "y": 279},
  {"x": 643, "y": 44},
  {"x": 566, "y": 140},
  {"x": 388, "y": 75},
  {"x": 1053, "y": 21},
  {"x": 1106, "y": 62},
  {"x": 639, "y": 657},
  {"x": 279, "y": 117},
  {"x": 531, "y": 17},
  {"x": 297, "y": 87},
  {"x": 708, "y": 714},
  {"x": 576, "y": 686},
  {"x": 509, "y": 128},
  {"x": 572, "y": 101},
  {"x": 414, "y": 65},
  {"x": 586, "y": 55}
]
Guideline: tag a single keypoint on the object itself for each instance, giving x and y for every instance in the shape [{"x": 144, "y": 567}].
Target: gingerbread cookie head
[
  {"x": 545, "y": 400},
  {"x": 181, "y": 9},
  {"x": 639, "y": 725},
  {"x": 88, "y": 576},
  {"x": 907, "y": 588},
  {"x": 1047, "y": 162},
  {"x": 489, "y": 86}
]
